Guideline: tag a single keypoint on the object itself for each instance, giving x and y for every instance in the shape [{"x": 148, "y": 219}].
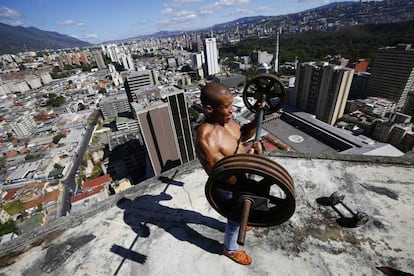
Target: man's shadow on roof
[{"x": 147, "y": 209}]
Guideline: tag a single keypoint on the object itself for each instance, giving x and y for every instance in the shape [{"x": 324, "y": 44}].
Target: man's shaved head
[{"x": 211, "y": 93}]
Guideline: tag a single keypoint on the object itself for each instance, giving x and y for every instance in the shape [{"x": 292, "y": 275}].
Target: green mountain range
[{"x": 14, "y": 39}]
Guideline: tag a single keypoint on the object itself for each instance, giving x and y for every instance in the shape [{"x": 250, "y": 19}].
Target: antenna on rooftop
[{"x": 279, "y": 31}]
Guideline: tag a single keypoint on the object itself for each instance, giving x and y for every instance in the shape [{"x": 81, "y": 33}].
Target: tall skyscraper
[
  {"x": 99, "y": 60},
  {"x": 322, "y": 89},
  {"x": 392, "y": 74},
  {"x": 166, "y": 130},
  {"x": 212, "y": 56},
  {"x": 84, "y": 58},
  {"x": 197, "y": 60}
]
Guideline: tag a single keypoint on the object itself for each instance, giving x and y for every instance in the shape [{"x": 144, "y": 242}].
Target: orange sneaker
[
  {"x": 249, "y": 228},
  {"x": 239, "y": 256}
]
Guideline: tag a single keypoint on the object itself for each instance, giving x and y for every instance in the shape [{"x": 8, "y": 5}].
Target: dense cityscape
[{"x": 82, "y": 124}]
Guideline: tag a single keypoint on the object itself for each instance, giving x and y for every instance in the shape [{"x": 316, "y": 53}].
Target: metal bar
[
  {"x": 260, "y": 115},
  {"x": 244, "y": 219},
  {"x": 346, "y": 207}
]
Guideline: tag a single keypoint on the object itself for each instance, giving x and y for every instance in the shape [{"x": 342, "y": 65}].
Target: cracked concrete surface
[{"x": 156, "y": 228}]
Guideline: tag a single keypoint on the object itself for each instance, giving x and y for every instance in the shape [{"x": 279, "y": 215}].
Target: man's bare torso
[{"x": 215, "y": 141}]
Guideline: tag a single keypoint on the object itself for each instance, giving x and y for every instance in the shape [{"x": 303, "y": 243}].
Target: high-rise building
[
  {"x": 212, "y": 56},
  {"x": 392, "y": 74},
  {"x": 358, "y": 86},
  {"x": 409, "y": 105},
  {"x": 75, "y": 58},
  {"x": 137, "y": 80},
  {"x": 99, "y": 60},
  {"x": 260, "y": 57},
  {"x": 128, "y": 62},
  {"x": 114, "y": 105},
  {"x": 322, "y": 89},
  {"x": 166, "y": 130},
  {"x": 197, "y": 60},
  {"x": 84, "y": 58},
  {"x": 23, "y": 126}
]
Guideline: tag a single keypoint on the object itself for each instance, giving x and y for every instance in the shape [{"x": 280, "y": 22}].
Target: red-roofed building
[
  {"x": 48, "y": 197},
  {"x": 99, "y": 181},
  {"x": 12, "y": 153},
  {"x": 10, "y": 195},
  {"x": 88, "y": 193}
]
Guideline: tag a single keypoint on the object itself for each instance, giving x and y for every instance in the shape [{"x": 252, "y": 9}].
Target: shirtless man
[{"x": 220, "y": 136}]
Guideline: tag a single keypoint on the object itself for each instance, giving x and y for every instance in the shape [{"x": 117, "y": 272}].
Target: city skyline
[{"x": 97, "y": 22}]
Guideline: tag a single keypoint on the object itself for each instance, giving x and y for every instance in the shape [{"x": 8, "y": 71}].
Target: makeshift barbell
[{"x": 264, "y": 194}]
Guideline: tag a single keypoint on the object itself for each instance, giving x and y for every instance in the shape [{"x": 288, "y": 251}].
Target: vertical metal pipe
[{"x": 244, "y": 219}]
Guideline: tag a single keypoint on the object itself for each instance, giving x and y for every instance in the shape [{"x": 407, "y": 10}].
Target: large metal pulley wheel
[
  {"x": 261, "y": 182},
  {"x": 264, "y": 88}
]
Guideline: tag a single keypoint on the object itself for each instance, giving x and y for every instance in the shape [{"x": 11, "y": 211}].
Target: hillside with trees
[{"x": 356, "y": 42}]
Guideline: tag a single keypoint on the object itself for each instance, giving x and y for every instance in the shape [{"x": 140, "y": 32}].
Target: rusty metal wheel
[
  {"x": 264, "y": 182},
  {"x": 265, "y": 87}
]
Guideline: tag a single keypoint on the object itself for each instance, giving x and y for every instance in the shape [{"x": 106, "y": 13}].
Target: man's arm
[
  {"x": 208, "y": 152},
  {"x": 248, "y": 130}
]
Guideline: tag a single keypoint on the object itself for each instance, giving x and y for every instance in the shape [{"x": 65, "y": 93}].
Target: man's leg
[
  {"x": 231, "y": 248},
  {"x": 230, "y": 236}
]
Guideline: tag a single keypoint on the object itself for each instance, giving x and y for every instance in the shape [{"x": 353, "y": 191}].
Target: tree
[
  {"x": 14, "y": 207},
  {"x": 86, "y": 68},
  {"x": 29, "y": 156},
  {"x": 39, "y": 207},
  {"x": 57, "y": 138},
  {"x": 67, "y": 67},
  {"x": 56, "y": 101},
  {"x": 8, "y": 227},
  {"x": 81, "y": 106}
]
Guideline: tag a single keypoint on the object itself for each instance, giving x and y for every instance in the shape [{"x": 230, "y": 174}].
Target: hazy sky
[{"x": 101, "y": 20}]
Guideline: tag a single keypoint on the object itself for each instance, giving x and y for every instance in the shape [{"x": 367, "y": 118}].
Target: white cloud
[
  {"x": 186, "y": 1},
  {"x": 227, "y": 3},
  {"x": 167, "y": 11},
  {"x": 243, "y": 11},
  {"x": 12, "y": 22},
  {"x": 8, "y": 13},
  {"x": 66, "y": 22},
  {"x": 81, "y": 24},
  {"x": 264, "y": 9},
  {"x": 10, "y": 16},
  {"x": 205, "y": 12},
  {"x": 180, "y": 3},
  {"x": 90, "y": 36}
]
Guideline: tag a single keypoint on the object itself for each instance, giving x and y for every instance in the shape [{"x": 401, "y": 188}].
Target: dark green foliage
[
  {"x": 54, "y": 100},
  {"x": 29, "y": 156},
  {"x": 8, "y": 227},
  {"x": 361, "y": 41},
  {"x": 57, "y": 138},
  {"x": 193, "y": 114},
  {"x": 81, "y": 106},
  {"x": 13, "y": 207},
  {"x": 86, "y": 68}
]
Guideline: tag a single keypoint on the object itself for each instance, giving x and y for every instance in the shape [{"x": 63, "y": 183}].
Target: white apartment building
[
  {"x": 212, "y": 56},
  {"x": 23, "y": 126}
]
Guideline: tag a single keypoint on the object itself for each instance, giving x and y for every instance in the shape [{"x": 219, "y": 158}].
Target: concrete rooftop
[{"x": 156, "y": 228}]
